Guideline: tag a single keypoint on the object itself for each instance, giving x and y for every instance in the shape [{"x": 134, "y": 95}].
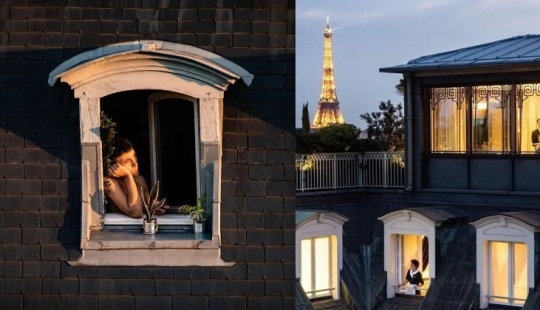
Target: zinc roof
[{"x": 512, "y": 51}]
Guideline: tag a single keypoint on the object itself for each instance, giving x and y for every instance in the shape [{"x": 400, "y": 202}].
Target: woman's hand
[
  {"x": 118, "y": 171},
  {"x": 162, "y": 210}
]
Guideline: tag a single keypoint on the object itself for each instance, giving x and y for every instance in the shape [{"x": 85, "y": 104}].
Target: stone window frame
[
  {"x": 161, "y": 66},
  {"x": 502, "y": 228},
  {"x": 322, "y": 224},
  {"x": 405, "y": 222}
]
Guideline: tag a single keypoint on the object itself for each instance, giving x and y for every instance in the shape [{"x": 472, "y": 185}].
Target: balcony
[{"x": 338, "y": 171}]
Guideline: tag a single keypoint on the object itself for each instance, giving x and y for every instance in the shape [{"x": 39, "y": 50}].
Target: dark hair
[
  {"x": 415, "y": 262},
  {"x": 121, "y": 146}
]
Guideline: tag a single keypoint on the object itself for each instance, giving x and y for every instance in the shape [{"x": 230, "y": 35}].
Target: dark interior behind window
[{"x": 175, "y": 141}]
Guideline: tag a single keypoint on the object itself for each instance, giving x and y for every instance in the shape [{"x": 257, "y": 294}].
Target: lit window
[
  {"x": 490, "y": 118},
  {"x": 508, "y": 273},
  {"x": 318, "y": 262},
  {"x": 502, "y": 118},
  {"x": 448, "y": 110},
  {"x": 407, "y": 236},
  {"x": 505, "y": 252},
  {"x": 528, "y": 113},
  {"x": 319, "y": 252},
  {"x": 409, "y": 247}
]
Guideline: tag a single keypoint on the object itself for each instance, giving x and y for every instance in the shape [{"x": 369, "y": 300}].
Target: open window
[
  {"x": 505, "y": 257},
  {"x": 164, "y": 129},
  {"x": 409, "y": 247},
  {"x": 174, "y": 94},
  {"x": 410, "y": 234}
]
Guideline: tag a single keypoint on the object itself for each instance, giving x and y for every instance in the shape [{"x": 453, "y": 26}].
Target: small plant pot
[
  {"x": 198, "y": 227},
  {"x": 150, "y": 227}
]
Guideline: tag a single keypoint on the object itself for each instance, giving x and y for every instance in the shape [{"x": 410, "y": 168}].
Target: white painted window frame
[
  {"x": 501, "y": 228},
  {"x": 322, "y": 224},
  {"x": 152, "y": 99},
  {"x": 331, "y": 261},
  {"x": 405, "y": 222},
  {"x": 160, "y": 66}
]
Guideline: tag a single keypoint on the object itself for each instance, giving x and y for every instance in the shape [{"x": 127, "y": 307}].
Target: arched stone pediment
[{"x": 149, "y": 64}]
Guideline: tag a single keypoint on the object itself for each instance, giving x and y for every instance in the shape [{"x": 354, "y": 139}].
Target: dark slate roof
[
  {"x": 305, "y": 214},
  {"x": 528, "y": 217},
  {"x": 302, "y": 301},
  {"x": 455, "y": 286},
  {"x": 439, "y": 213},
  {"x": 512, "y": 51}
]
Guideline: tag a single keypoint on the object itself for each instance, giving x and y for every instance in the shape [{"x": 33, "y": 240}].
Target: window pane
[
  {"x": 520, "y": 272},
  {"x": 499, "y": 271},
  {"x": 528, "y": 111},
  {"x": 305, "y": 270},
  {"x": 491, "y": 118},
  {"x": 322, "y": 266},
  {"x": 176, "y": 151},
  {"x": 448, "y": 110}
]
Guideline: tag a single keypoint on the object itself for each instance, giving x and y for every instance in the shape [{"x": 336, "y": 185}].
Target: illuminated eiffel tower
[{"x": 328, "y": 112}]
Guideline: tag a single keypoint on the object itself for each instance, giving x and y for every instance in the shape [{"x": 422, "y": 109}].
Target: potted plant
[
  {"x": 151, "y": 204},
  {"x": 107, "y": 127},
  {"x": 197, "y": 213}
]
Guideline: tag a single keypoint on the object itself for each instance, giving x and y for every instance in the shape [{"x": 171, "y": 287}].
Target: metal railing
[{"x": 333, "y": 171}]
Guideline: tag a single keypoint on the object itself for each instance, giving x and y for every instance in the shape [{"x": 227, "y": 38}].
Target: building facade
[
  {"x": 205, "y": 92},
  {"x": 469, "y": 211}
]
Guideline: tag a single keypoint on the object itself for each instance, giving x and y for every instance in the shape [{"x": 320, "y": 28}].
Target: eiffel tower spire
[{"x": 328, "y": 111}]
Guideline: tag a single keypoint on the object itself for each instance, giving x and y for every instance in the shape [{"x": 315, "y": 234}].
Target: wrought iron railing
[{"x": 331, "y": 171}]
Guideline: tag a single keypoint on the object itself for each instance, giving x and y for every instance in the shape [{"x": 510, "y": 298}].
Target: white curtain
[{"x": 528, "y": 115}]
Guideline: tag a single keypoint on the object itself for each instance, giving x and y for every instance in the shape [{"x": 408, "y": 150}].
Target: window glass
[
  {"x": 508, "y": 273},
  {"x": 520, "y": 272},
  {"x": 316, "y": 269},
  {"x": 491, "y": 118},
  {"x": 527, "y": 116},
  {"x": 448, "y": 110},
  {"x": 175, "y": 151}
]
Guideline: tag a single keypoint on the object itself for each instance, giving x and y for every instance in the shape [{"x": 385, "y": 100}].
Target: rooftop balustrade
[{"x": 335, "y": 171}]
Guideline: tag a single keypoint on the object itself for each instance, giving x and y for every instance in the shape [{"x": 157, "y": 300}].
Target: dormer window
[
  {"x": 175, "y": 79},
  {"x": 319, "y": 254},
  {"x": 410, "y": 234},
  {"x": 505, "y": 256}
]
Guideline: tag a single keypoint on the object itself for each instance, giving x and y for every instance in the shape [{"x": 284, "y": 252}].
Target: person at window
[
  {"x": 123, "y": 184},
  {"x": 413, "y": 279},
  {"x": 535, "y": 137}
]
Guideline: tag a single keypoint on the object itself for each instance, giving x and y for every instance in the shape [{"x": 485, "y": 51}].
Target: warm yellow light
[{"x": 481, "y": 106}]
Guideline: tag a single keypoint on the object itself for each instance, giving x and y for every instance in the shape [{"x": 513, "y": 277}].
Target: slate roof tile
[
  {"x": 209, "y": 287},
  {"x": 229, "y": 302},
  {"x": 42, "y": 301},
  {"x": 191, "y": 302},
  {"x": 279, "y": 288},
  {"x": 191, "y": 273},
  {"x": 97, "y": 287},
  {"x": 236, "y": 272},
  {"x": 155, "y": 273},
  {"x": 80, "y": 302},
  {"x": 153, "y": 302},
  {"x": 172, "y": 287},
  {"x": 280, "y": 254},
  {"x": 122, "y": 302}
]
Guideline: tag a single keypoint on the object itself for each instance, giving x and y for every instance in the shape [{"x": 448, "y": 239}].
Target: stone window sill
[{"x": 132, "y": 248}]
